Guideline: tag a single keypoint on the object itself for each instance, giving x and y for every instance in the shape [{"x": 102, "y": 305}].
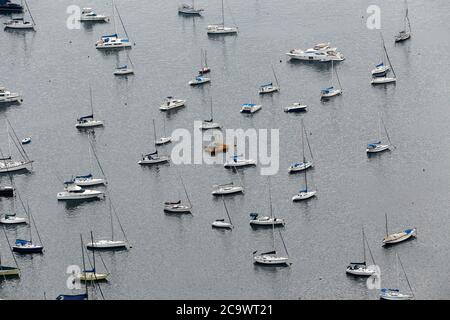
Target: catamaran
[
  {"x": 321, "y": 52},
  {"x": 177, "y": 207},
  {"x": 250, "y": 108},
  {"x": 74, "y": 192},
  {"x": 395, "y": 294},
  {"x": 269, "y": 88},
  {"x": 189, "y": 9},
  {"x": 163, "y": 140},
  {"x": 305, "y": 193},
  {"x": 221, "y": 223},
  {"x": 204, "y": 63},
  {"x": 8, "y": 96},
  {"x": 331, "y": 91},
  {"x": 20, "y": 23},
  {"x": 89, "y": 15},
  {"x": 112, "y": 42},
  {"x": 405, "y": 33},
  {"x": 27, "y": 246},
  {"x": 88, "y": 121},
  {"x": 210, "y": 124},
  {"x": 7, "y": 164},
  {"x": 360, "y": 268},
  {"x": 378, "y": 146},
  {"x": 8, "y": 271},
  {"x": 303, "y": 165},
  {"x": 171, "y": 103},
  {"x": 257, "y": 220},
  {"x": 217, "y": 29},
  {"x": 381, "y": 71},
  {"x": 398, "y": 237}
]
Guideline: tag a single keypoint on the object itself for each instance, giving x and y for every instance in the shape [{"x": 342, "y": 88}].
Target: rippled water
[{"x": 182, "y": 257}]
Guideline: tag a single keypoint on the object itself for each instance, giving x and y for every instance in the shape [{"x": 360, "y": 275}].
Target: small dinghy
[
  {"x": 153, "y": 158},
  {"x": 74, "y": 192},
  {"x": 236, "y": 162},
  {"x": 360, "y": 268},
  {"x": 198, "y": 80},
  {"x": 11, "y": 218},
  {"x": 221, "y": 223},
  {"x": 302, "y": 165},
  {"x": 171, "y": 103},
  {"x": 26, "y": 140},
  {"x": 296, "y": 107},
  {"x": 250, "y": 108}
]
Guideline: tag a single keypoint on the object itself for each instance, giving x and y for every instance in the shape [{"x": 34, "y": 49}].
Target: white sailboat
[
  {"x": 88, "y": 121},
  {"x": 92, "y": 275},
  {"x": 164, "y": 139},
  {"x": 113, "y": 42},
  {"x": 210, "y": 124},
  {"x": 221, "y": 29},
  {"x": 331, "y": 91},
  {"x": 20, "y": 23},
  {"x": 228, "y": 188},
  {"x": 7, "y": 164},
  {"x": 89, "y": 179},
  {"x": 257, "y": 220},
  {"x": 9, "y": 271},
  {"x": 178, "y": 207},
  {"x": 302, "y": 165},
  {"x": 405, "y": 33},
  {"x": 8, "y": 96},
  {"x": 378, "y": 146},
  {"x": 304, "y": 194},
  {"x": 239, "y": 162},
  {"x": 125, "y": 69},
  {"x": 250, "y": 108},
  {"x": 187, "y": 9},
  {"x": 360, "y": 268},
  {"x": 396, "y": 294},
  {"x": 28, "y": 246},
  {"x": 383, "y": 78},
  {"x": 269, "y": 88},
  {"x": 154, "y": 157},
  {"x": 221, "y": 223},
  {"x": 11, "y": 218},
  {"x": 398, "y": 237},
  {"x": 109, "y": 244}
]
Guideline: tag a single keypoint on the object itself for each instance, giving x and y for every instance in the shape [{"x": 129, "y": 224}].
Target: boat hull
[
  {"x": 241, "y": 163},
  {"x": 91, "y": 276},
  {"x": 161, "y": 159},
  {"x": 304, "y": 196},
  {"x": 178, "y": 209},
  {"x": 222, "y": 225},
  {"x": 383, "y": 80},
  {"x": 9, "y": 271},
  {"x": 300, "y": 167},
  {"x": 106, "y": 245},
  {"x": 28, "y": 249},
  {"x": 227, "y": 190},
  {"x": 270, "y": 260},
  {"x": 13, "y": 220},
  {"x": 331, "y": 94},
  {"x": 91, "y": 194},
  {"x": 17, "y": 166},
  {"x": 89, "y": 124},
  {"x": 379, "y": 148},
  {"x": 399, "y": 237},
  {"x": 89, "y": 182}
]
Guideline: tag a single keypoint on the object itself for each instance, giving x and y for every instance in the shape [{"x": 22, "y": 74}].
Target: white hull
[
  {"x": 383, "y": 80},
  {"x": 177, "y": 208},
  {"x": 240, "y": 163},
  {"x": 270, "y": 260},
  {"x": 123, "y": 72},
  {"x": 379, "y": 148},
  {"x": 222, "y": 224},
  {"x": 331, "y": 94},
  {"x": 395, "y": 295},
  {"x": 14, "y": 166},
  {"x": 300, "y": 167},
  {"x": 172, "y": 105},
  {"x": 89, "y": 182},
  {"x": 161, "y": 159},
  {"x": 10, "y": 97},
  {"x": 251, "y": 109},
  {"x": 380, "y": 70},
  {"x": 227, "y": 190},
  {"x": 199, "y": 82},
  {"x": 13, "y": 220},
  {"x": 304, "y": 195},
  {"x": 267, "y": 221},
  {"x": 106, "y": 244},
  {"x": 296, "y": 107},
  {"x": 91, "y": 276},
  {"x": 270, "y": 89},
  {"x": 89, "y": 124},
  {"x": 86, "y": 194},
  {"x": 112, "y": 45},
  {"x": 209, "y": 125},
  {"x": 218, "y": 29},
  {"x": 18, "y": 26},
  {"x": 360, "y": 271},
  {"x": 163, "y": 140}
]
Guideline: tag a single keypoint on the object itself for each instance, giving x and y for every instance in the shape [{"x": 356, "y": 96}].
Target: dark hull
[
  {"x": 28, "y": 250},
  {"x": 6, "y": 192},
  {"x": 10, "y": 8}
]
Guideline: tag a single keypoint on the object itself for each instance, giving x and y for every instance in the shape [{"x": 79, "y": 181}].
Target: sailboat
[
  {"x": 204, "y": 63},
  {"x": 198, "y": 80},
  {"x": 265, "y": 220},
  {"x": 88, "y": 121},
  {"x": 92, "y": 274},
  {"x": 269, "y": 88},
  {"x": 20, "y": 23},
  {"x": 189, "y": 9},
  {"x": 381, "y": 69},
  {"x": 89, "y": 179},
  {"x": 296, "y": 107},
  {"x": 378, "y": 146},
  {"x": 170, "y": 103},
  {"x": 27, "y": 246},
  {"x": 404, "y": 34},
  {"x": 7, "y": 164},
  {"x": 380, "y": 78},
  {"x": 272, "y": 258},
  {"x": 82, "y": 296},
  {"x": 303, "y": 165},
  {"x": 304, "y": 194},
  {"x": 331, "y": 91},
  {"x": 228, "y": 188},
  {"x": 164, "y": 139},
  {"x": 210, "y": 124},
  {"x": 177, "y": 207},
  {"x": 109, "y": 244},
  {"x": 11, "y": 218},
  {"x": 125, "y": 69},
  {"x": 239, "y": 162},
  {"x": 215, "y": 29},
  {"x": 154, "y": 157},
  {"x": 361, "y": 268},
  {"x": 395, "y": 294},
  {"x": 8, "y": 271},
  {"x": 221, "y": 223},
  {"x": 398, "y": 237},
  {"x": 112, "y": 42}
]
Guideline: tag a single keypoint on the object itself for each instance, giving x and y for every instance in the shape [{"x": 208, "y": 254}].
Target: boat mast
[
  {"x": 29, "y": 223},
  {"x": 92, "y": 105},
  {"x": 26, "y": 4},
  {"x": 387, "y": 57},
  {"x": 10, "y": 249},
  {"x": 35, "y": 225},
  {"x": 226, "y": 210},
  {"x": 387, "y": 233},
  {"x": 337, "y": 77},
  {"x": 93, "y": 254},
  {"x": 303, "y": 144},
  {"x": 407, "y": 280},
  {"x": 370, "y": 252},
  {"x": 114, "y": 17},
  {"x": 120, "y": 18},
  {"x": 307, "y": 142},
  {"x": 154, "y": 131},
  {"x": 275, "y": 76},
  {"x": 271, "y": 213},
  {"x": 84, "y": 263},
  {"x": 111, "y": 219},
  {"x": 211, "y": 109},
  {"x": 187, "y": 196},
  {"x": 206, "y": 59},
  {"x": 385, "y": 130},
  {"x": 223, "y": 16},
  {"x": 364, "y": 245}
]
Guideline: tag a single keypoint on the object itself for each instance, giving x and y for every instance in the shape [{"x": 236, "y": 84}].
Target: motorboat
[
  {"x": 171, "y": 103},
  {"x": 74, "y": 192},
  {"x": 321, "y": 52},
  {"x": 89, "y": 15},
  {"x": 296, "y": 107},
  {"x": 250, "y": 108},
  {"x": 9, "y": 97},
  {"x": 257, "y": 220},
  {"x": 198, "y": 80},
  {"x": 383, "y": 80}
]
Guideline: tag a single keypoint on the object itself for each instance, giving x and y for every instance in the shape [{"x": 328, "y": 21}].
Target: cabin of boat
[{"x": 112, "y": 42}]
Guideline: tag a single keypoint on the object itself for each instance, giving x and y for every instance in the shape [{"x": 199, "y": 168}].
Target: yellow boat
[
  {"x": 93, "y": 276},
  {"x": 9, "y": 271}
]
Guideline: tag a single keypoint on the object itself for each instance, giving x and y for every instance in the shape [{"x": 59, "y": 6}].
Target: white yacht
[
  {"x": 88, "y": 122},
  {"x": 228, "y": 188},
  {"x": 321, "y": 52},
  {"x": 74, "y": 192},
  {"x": 89, "y": 15},
  {"x": 218, "y": 29},
  {"x": 250, "y": 107},
  {"x": 171, "y": 103},
  {"x": 236, "y": 162},
  {"x": 8, "y": 97},
  {"x": 12, "y": 219},
  {"x": 19, "y": 24}
]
